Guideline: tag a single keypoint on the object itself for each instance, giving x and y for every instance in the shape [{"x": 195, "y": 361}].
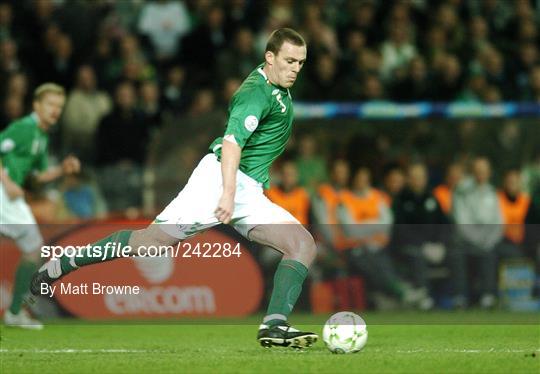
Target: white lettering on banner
[{"x": 162, "y": 300}]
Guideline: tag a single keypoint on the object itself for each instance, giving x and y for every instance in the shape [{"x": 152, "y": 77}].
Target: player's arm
[
  {"x": 230, "y": 160},
  {"x": 13, "y": 190},
  {"x": 70, "y": 165},
  {"x": 247, "y": 109},
  {"x": 8, "y": 142}
]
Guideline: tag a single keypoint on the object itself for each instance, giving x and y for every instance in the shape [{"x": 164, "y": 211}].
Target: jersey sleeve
[
  {"x": 247, "y": 109},
  {"x": 9, "y": 138}
]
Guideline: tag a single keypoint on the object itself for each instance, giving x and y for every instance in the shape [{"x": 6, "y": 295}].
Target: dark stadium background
[{"x": 387, "y": 84}]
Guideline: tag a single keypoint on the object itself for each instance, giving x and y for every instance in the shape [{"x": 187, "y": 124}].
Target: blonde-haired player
[{"x": 23, "y": 151}]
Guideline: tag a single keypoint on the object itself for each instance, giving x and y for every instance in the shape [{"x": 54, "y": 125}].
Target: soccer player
[
  {"x": 227, "y": 187},
  {"x": 23, "y": 150}
]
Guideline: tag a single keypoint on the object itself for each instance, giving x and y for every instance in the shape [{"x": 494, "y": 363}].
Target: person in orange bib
[{"x": 514, "y": 207}]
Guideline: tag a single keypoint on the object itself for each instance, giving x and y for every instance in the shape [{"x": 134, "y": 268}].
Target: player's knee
[
  {"x": 301, "y": 243},
  {"x": 32, "y": 256},
  {"x": 30, "y": 244}
]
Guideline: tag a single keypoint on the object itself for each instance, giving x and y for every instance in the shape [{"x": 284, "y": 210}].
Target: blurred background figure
[
  {"x": 289, "y": 194},
  {"x": 165, "y": 23},
  {"x": 311, "y": 165},
  {"x": 85, "y": 107},
  {"x": 477, "y": 214},
  {"x": 420, "y": 230},
  {"x": 444, "y": 192},
  {"x": 514, "y": 207}
]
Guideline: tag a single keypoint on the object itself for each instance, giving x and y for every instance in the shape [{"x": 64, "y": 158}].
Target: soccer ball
[{"x": 345, "y": 332}]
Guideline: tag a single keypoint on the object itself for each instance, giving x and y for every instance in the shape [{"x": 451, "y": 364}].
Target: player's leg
[
  {"x": 189, "y": 213},
  {"x": 299, "y": 251},
  {"x": 18, "y": 223},
  {"x": 29, "y": 242},
  {"x": 137, "y": 240}
]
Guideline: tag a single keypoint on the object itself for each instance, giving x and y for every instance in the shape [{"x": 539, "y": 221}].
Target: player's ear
[{"x": 269, "y": 57}]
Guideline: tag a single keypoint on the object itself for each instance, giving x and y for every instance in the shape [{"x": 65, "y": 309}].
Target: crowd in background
[
  {"x": 400, "y": 238},
  {"x": 152, "y": 57},
  {"x": 149, "y": 82}
]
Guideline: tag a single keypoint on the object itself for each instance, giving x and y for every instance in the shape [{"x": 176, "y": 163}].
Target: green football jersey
[
  {"x": 260, "y": 119},
  {"x": 23, "y": 148}
]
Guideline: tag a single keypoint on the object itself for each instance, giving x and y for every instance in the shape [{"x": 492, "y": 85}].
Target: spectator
[
  {"x": 436, "y": 43},
  {"x": 327, "y": 200},
  {"x": 17, "y": 86},
  {"x": 63, "y": 61},
  {"x": 493, "y": 66},
  {"x": 477, "y": 214},
  {"x": 528, "y": 57},
  {"x": 397, "y": 51},
  {"x": 447, "y": 80},
  {"x": 202, "y": 45},
  {"x": 532, "y": 93},
  {"x": 12, "y": 108},
  {"x": 444, "y": 192},
  {"x": 240, "y": 58},
  {"x": 447, "y": 19},
  {"x": 514, "y": 206},
  {"x": 7, "y": 27},
  {"x": 366, "y": 218},
  {"x": 393, "y": 182},
  {"x": 419, "y": 227},
  {"x": 85, "y": 107},
  {"x": 416, "y": 85},
  {"x": 474, "y": 90},
  {"x": 363, "y": 20},
  {"x": 230, "y": 86},
  {"x": 289, "y": 195},
  {"x": 320, "y": 37},
  {"x": 174, "y": 92},
  {"x": 150, "y": 106},
  {"x": 132, "y": 65},
  {"x": 355, "y": 42},
  {"x": 121, "y": 135},
  {"x": 323, "y": 83},
  {"x": 477, "y": 38},
  {"x": 9, "y": 61},
  {"x": 310, "y": 163},
  {"x": 165, "y": 23}
]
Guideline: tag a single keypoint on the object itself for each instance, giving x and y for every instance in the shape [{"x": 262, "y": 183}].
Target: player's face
[
  {"x": 287, "y": 63},
  {"x": 49, "y": 108}
]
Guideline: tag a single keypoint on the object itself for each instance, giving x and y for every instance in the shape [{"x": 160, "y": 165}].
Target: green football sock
[
  {"x": 288, "y": 280},
  {"x": 119, "y": 238},
  {"x": 23, "y": 275}
]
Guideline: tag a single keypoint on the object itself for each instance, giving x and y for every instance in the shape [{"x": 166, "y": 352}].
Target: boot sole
[{"x": 299, "y": 342}]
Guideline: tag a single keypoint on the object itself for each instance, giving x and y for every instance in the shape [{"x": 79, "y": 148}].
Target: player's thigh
[
  {"x": 153, "y": 234},
  {"x": 192, "y": 210},
  {"x": 17, "y": 222},
  {"x": 287, "y": 237}
]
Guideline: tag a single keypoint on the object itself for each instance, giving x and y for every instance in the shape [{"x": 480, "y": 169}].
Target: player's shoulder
[
  {"x": 255, "y": 85},
  {"x": 22, "y": 124}
]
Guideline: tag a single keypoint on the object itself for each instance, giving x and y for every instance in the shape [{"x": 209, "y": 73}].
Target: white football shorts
[
  {"x": 192, "y": 210},
  {"x": 18, "y": 222}
]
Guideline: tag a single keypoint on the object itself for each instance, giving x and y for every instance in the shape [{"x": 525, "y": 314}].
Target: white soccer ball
[{"x": 345, "y": 332}]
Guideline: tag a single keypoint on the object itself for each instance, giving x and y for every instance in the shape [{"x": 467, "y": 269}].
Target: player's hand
[
  {"x": 71, "y": 165},
  {"x": 13, "y": 190},
  {"x": 225, "y": 208}
]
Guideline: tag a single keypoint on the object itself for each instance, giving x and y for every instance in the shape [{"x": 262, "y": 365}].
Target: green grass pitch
[{"x": 463, "y": 342}]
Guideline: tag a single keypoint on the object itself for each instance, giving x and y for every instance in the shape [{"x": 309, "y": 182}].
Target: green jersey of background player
[
  {"x": 23, "y": 151},
  {"x": 258, "y": 127}
]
